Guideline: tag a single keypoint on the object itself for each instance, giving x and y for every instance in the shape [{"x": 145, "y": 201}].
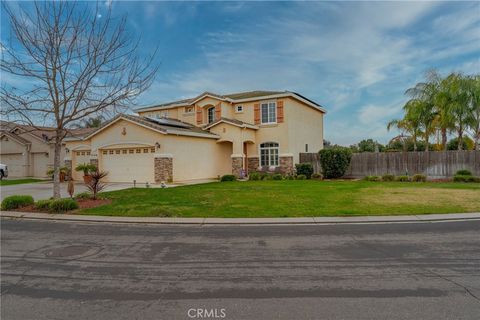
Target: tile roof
[
  {"x": 165, "y": 128},
  {"x": 232, "y": 96},
  {"x": 233, "y": 121}
]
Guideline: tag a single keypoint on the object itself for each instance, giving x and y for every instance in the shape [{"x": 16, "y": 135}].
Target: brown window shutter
[
  {"x": 280, "y": 111},
  {"x": 218, "y": 111},
  {"x": 256, "y": 113},
  {"x": 199, "y": 115}
]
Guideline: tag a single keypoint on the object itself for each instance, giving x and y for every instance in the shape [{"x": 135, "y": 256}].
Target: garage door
[
  {"x": 40, "y": 165},
  {"x": 128, "y": 164},
  {"x": 14, "y": 163},
  {"x": 79, "y": 157}
]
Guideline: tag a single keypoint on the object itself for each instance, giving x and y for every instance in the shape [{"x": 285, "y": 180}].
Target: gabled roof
[
  {"x": 185, "y": 130},
  {"x": 236, "y": 98},
  {"x": 233, "y": 122},
  {"x": 15, "y": 137}
]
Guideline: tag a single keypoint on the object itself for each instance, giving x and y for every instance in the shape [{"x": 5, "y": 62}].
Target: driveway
[
  {"x": 44, "y": 190},
  {"x": 68, "y": 270}
]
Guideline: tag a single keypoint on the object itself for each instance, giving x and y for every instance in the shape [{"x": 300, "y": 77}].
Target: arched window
[
  {"x": 269, "y": 154},
  {"x": 211, "y": 114}
]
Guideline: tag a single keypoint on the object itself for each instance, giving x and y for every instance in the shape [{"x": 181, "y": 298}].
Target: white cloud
[{"x": 334, "y": 53}]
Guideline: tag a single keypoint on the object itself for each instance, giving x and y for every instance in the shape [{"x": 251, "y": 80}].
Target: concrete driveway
[{"x": 44, "y": 190}]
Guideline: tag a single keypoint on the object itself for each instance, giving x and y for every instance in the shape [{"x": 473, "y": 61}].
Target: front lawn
[
  {"x": 293, "y": 199},
  {"x": 18, "y": 181}
]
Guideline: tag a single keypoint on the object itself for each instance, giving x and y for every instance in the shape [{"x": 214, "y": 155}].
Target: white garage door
[
  {"x": 128, "y": 164},
  {"x": 40, "y": 165},
  {"x": 79, "y": 157},
  {"x": 14, "y": 163}
]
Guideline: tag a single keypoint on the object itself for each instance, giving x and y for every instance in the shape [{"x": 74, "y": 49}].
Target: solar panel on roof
[{"x": 169, "y": 122}]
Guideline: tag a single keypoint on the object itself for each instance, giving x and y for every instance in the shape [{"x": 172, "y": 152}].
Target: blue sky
[{"x": 354, "y": 58}]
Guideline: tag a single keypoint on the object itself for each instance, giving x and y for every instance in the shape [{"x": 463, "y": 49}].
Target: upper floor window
[
  {"x": 269, "y": 112},
  {"x": 238, "y": 109},
  {"x": 188, "y": 109},
  {"x": 269, "y": 154},
  {"x": 211, "y": 114}
]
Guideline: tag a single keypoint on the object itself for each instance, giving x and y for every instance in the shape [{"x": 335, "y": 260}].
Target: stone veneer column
[
  {"x": 253, "y": 164},
  {"x": 237, "y": 164},
  {"x": 286, "y": 165},
  {"x": 68, "y": 164},
  {"x": 163, "y": 168}
]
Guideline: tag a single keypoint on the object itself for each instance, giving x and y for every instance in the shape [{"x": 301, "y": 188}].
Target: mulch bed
[{"x": 83, "y": 203}]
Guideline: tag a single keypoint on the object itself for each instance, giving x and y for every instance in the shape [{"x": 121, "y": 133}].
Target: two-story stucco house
[{"x": 204, "y": 137}]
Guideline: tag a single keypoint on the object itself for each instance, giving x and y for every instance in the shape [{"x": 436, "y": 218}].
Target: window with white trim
[
  {"x": 269, "y": 112},
  {"x": 238, "y": 109},
  {"x": 211, "y": 114},
  {"x": 269, "y": 154}
]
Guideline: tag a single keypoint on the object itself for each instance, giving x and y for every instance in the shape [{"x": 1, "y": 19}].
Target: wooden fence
[{"x": 434, "y": 164}]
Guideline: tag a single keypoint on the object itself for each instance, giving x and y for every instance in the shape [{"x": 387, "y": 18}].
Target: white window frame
[
  {"x": 270, "y": 162},
  {"x": 208, "y": 114},
  {"x": 239, "y": 109},
  {"x": 268, "y": 104},
  {"x": 192, "y": 110}
]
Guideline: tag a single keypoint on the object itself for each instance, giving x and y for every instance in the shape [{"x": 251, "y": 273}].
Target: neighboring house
[
  {"x": 204, "y": 137},
  {"x": 28, "y": 151}
]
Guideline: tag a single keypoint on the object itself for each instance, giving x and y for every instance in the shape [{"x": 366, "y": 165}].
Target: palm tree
[
  {"x": 472, "y": 84},
  {"x": 408, "y": 125},
  {"x": 422, "y": 107},
  {"x": 424, "y": 114},
  {"x": 458, "y": 108}
]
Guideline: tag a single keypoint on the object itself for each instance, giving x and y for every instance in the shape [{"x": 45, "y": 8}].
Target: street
[{"x": 67, "y": 270}]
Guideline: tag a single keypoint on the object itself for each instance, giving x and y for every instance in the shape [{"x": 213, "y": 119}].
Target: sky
[{"x": 356, "y": 59}]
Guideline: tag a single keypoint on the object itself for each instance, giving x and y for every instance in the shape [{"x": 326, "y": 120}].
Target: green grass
[
  {"x": 18, "y": 181},
  {"x": 293, "y": 199}
]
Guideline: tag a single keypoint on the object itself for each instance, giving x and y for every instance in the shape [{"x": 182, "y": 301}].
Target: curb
[{"x": 244, "y": 221}]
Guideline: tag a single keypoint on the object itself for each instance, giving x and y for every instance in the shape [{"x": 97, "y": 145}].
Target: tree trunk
[
  {"x": 426, "y": 143},
  {"x": 460, "y": 139},
  {"x": 414, "y": 143},
  {"x": 444, "y": 139},
  {"x": 56, "y": 165}
]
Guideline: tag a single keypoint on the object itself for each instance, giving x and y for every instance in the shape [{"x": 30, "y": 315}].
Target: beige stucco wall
[
  {"x": 32, "y": 162},
  {"x": 305, "y": 126},
  {"x": 193, "y": 157}
]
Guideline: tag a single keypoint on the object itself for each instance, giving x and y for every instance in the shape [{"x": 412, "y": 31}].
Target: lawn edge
[{"x": 243, "y": 221}]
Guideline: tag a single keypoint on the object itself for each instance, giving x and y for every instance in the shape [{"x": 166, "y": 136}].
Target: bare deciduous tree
[{"x": 79, "y": 62}]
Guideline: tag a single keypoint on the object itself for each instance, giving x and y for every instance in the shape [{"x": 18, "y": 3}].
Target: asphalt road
[{"x": 65, "y": 270}]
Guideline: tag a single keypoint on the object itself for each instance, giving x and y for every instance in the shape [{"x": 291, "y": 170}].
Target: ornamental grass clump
[{"x": 15, "y": 202}]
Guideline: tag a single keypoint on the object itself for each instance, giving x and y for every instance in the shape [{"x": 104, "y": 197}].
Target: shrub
[
  {"x": 43, "y": 204},
  {"x": 290, "y": 177},
  {"x": 463, "y": 173},
  {"x": 301, "y": 177},
  {"x": 62, "y": 205},
  {"x": 371, "y": 178},
  {"x": 277, "y": 176},
  {"x": 14, "y": 202},
  {"x": 254, "y": 176},
  {"x": 419, "y": 178},
  {"x": 87, "y": 168},
  {"x": 305, "y": 169},
  {"x": 95, "y": 185},
  {"x": 265, "y": 176},
  {"x": 465, "y": 178},
  {"x": 335, "y": 161},
  {"x": 83, "y": 195},
  {"x": 228, "y": 177},
  {"x": 403, "y": 178},
  {"x": 317, "y": 176},
  {"x": 388, "y": 177}
]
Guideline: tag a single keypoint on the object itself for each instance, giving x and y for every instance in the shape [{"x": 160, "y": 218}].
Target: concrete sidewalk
[{"x": 244, "y": 221}]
